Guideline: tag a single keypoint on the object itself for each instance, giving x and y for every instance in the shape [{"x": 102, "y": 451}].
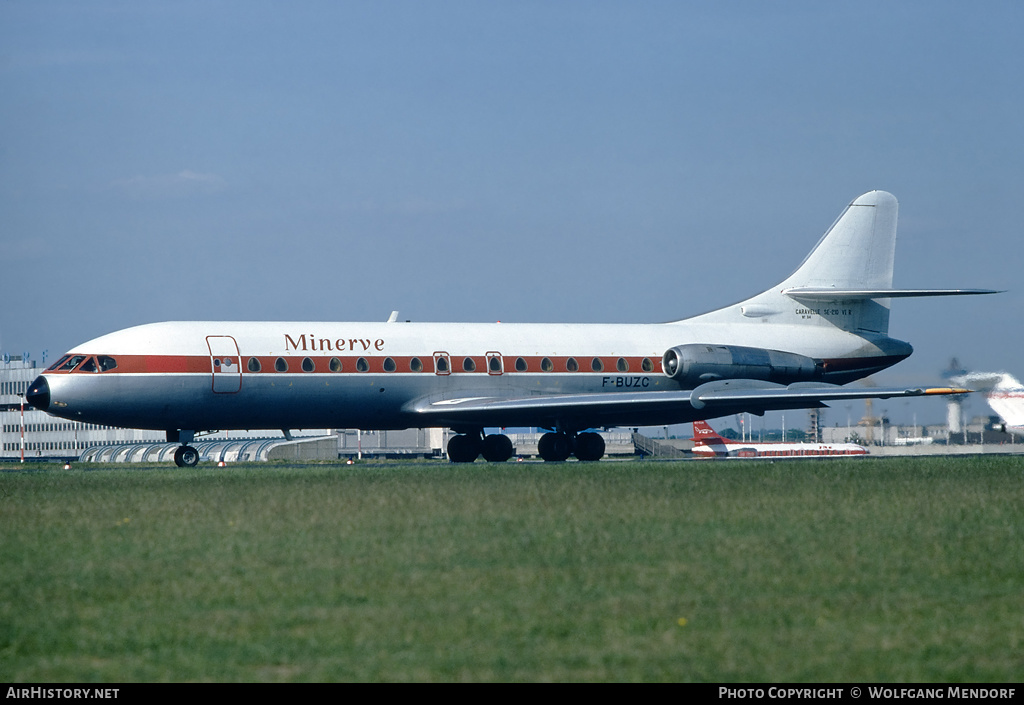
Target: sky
[{"x": 516, "y": 161}]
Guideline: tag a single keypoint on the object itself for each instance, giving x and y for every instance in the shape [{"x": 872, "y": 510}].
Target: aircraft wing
[{"x": 717, "y": 398}]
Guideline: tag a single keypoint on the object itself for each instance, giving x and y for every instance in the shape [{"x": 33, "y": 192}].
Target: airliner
[
  {"x": 791, "y": 346},
  {"x": 1004, "y": 393},
  {"x": 710, "y": 444}
]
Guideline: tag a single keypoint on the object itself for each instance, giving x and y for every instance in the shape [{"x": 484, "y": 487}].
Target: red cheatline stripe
[{"x": 201, "y": 364}]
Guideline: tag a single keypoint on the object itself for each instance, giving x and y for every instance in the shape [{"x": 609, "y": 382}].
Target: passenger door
[{"x": 225, "y": 363}]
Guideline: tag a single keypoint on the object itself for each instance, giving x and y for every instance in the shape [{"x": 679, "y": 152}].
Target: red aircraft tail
[{"x": 702, "y": 433}]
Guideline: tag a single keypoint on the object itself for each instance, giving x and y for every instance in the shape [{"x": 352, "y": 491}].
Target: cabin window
[
  {"x": 520, "y": 365},
  {"x": 253, "y": 365},
  {"x": 442, "y": 364},
  {"x": 621, "y": 365},
  {"x": 571, "y": 365},
  {"x": 494, "y": 365},
  {"x": 647, "y": 365},
  {"x": 468, "y": 365},
  {"x": 334, "y": 365},
  {"x": 546, "y": 365},
  {"x": 416, "y": 365},
  {"x": 307, "y": 365},
  {"x": 389, "y": 365},
  {"x": 281, "y": 365},
  {"x": 362, "y": 365},
  {"x": 596, "y": 365}
]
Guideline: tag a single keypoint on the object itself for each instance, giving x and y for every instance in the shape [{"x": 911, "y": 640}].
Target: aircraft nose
[{"x": 38, "y": 394}]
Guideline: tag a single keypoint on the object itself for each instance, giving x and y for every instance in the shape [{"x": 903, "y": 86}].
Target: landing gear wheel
[
  {"x": 463, "y": 448},
  {"x": 186, "y": 457},
  {"x": 497, "y": 448},
  {"x": 554, "y": 447},
  {"x": 589, "y": 446}
]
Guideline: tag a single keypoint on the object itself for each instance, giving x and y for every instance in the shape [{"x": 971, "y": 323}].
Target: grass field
[{"x": 835, "y": 570}]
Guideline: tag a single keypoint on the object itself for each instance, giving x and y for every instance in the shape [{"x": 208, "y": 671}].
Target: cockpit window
[
  {"x": 72, "y": 362},
  {"x": 57, "y": 364},
  {"x": 106, "y": 362},
  {"x": 89, "y": 366}
]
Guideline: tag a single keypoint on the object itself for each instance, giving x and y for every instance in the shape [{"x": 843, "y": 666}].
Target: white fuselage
[{"x": 253, "y": 375}]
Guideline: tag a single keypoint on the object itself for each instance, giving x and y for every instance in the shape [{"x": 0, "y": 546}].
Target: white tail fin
[
  {"x": 846, "y": 280},
  {"x": 857, "y": 252}
]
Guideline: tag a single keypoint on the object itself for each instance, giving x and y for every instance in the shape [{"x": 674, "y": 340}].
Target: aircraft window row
[{"x": 389, "y": 364}]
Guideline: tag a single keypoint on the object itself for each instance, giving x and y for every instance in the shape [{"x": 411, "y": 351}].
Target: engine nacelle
[{"x": 697, "y": 363}]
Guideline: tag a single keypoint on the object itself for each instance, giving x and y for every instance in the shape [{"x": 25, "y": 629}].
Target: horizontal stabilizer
[{"x": 827, "y": 294}]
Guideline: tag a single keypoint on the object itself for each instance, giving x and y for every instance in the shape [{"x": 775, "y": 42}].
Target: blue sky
[{"x": 514, "y": 161}]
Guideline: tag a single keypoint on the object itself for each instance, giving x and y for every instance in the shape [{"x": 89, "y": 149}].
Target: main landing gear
[
  {"x": 556, "y": 447},
  {"x": 552, "y": 447},
  {"x": 464, "y": 448}
]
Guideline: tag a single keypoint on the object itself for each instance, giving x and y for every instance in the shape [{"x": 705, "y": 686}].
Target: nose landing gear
[{"x": 185, "y": 456}]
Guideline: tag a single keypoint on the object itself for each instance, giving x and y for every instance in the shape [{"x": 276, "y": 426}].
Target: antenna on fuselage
[{"x": 393, "y": 317}]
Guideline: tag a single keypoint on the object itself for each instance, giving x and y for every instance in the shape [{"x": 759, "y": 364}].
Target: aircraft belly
[{"x": 318, "y": 401}]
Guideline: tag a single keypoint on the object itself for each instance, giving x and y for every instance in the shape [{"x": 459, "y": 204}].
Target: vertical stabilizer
[
  {"x": 857, "y": 252},
  {"x": 704, "y": 434},
  {"x": 844, "y": 279}
]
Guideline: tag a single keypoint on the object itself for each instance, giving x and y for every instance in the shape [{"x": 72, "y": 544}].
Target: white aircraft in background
[
  {"x": 710, "y": 444},
  {"x": 1004, "y": 393},
  {"x": 788, "y": 347}
]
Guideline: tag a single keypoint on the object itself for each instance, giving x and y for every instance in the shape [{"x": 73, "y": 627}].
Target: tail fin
[
  {"x": 857, "y": 252},
  {"x": 704, "y": 434},
  {"x": 846, "y": 280}
]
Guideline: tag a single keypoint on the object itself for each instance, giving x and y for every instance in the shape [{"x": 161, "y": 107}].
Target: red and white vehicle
[{"x": 712, "y": 445}]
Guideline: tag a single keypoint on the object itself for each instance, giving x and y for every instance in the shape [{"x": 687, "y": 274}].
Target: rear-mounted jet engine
[{"x": 697, "y": 363}]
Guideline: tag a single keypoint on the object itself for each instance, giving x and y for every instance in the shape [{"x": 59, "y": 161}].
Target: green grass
[{"x": 837, "y": 570}]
